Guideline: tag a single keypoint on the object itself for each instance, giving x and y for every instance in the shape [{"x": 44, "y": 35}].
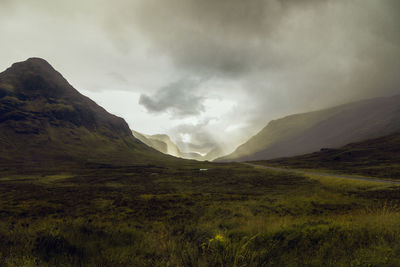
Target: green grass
[{"x": 175, "y": 215}]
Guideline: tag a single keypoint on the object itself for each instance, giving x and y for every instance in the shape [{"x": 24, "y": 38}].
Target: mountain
[
  {"x": 334, "y": 127},
  {"x": 214, "y": 153},
  {"x": 164, "y": 144},
  {"x": 156, "y": 144},
  {"x": 160, "y": 142},
  {"x": 45, "y": 121},
  {"x": 172, "y": 148},
  {"x": 377, "y": 157}
]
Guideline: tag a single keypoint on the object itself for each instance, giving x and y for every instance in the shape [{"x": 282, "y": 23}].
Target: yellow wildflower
[{"x": 219, "y": 238}]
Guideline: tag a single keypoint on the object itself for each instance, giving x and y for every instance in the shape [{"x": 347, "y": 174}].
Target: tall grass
[
  {"x": 249, "y": 219},
  {"x": 368, "y": 237}
]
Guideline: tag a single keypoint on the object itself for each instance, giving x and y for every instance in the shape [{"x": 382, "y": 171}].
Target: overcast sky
[{"x": 210, "y": 72}]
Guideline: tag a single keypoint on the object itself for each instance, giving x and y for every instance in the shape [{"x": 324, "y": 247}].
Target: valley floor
[
  {"x": 324, "y": 173},
  {"x": 227, "y": 215}
]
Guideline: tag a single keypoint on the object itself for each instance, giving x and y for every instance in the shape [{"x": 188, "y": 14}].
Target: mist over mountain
[
  {"x": 193, "y": 155},
  {"x": 308, "y": 132},
  {"x": 164, "y": 144},
  {"x": 160, "y": 142},
  {"x": 44, "y": 119}
]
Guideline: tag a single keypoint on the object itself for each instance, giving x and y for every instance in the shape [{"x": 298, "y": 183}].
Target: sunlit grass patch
[{"x": 54, "y": 178}]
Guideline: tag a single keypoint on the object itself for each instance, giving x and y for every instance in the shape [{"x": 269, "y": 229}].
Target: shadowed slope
[
  {"x": 44, "y": 120},
  {"x": 378, "y": 157},
  {"x": 308, "y": 132}
]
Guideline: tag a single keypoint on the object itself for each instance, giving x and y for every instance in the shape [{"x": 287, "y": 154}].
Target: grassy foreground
[{"x": 228, "y": 215}]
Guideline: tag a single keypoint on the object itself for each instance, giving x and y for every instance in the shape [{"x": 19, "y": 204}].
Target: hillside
[
  {"x": 160, "y": 142},
  {"x": 378, "y": 157},
  {"x": 45, "y": 121},
  {"x": 334, "y": 127},
  {"x": 172, "y": 148},
  {"x": 214, "y": 153}
]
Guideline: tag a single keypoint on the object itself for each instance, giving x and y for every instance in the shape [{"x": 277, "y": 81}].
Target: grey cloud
[
  {"x": 283, "y": 56},
  {"x": 202, "y": 140},
  {"x": 117, "y": 77},
  {"x": 7, "y": 7},
  {"x": 178, "y": 98},
  {"x": 236, "y": 38},
  {"x": 290, "y": 55},
  {"x": 218, "y": 36}
]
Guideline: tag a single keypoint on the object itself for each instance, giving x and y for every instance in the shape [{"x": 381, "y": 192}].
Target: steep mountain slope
[
  {"x": 378, "y": 157},
  {"x": 160, "y": 142},
  {"x": 43, "y": 120},
  {"x": 214, "y": 153},
  {"x": 308, "y": 132},
  {"x": 172, "y": 148}
]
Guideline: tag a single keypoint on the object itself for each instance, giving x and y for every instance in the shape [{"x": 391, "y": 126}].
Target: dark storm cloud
[
  {"x": 324, "y": 39},
  {"x": 268, "y": 57},
  {"x": 218, "y": 36},
  {"x": 179, "y": 98}
]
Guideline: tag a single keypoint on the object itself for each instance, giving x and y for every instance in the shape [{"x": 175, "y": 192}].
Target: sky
[{"x": 210, "y": 72}]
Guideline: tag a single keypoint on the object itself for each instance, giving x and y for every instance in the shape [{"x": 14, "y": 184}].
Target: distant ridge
[
  {"x": 334, "y": 127},
  {"x": 377, "y": 157},
  {"x": 160, "y": 142}
]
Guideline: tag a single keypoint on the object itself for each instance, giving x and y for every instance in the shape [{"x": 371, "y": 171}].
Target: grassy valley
[{"x": 177, "y": 215}]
